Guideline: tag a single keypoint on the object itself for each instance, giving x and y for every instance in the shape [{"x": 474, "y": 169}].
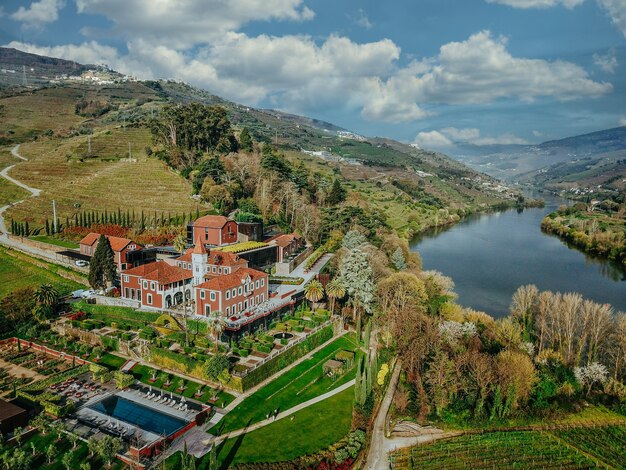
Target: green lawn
[
  {"x": 311, "y": 430},
  {"x": 144, "y": 374},
  {"x": 17, "y": 271},
  {"x": 122, "y": 315},
  {"x": 55, "y": 241},
  {"x": 111, "y": 361},
  {"x": 80, "y": 454},
  {"x": 298, "y": 385}
]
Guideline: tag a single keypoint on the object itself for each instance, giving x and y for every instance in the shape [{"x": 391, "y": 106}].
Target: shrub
[
  {"x": 298, "y": 329},
  {"x": 244, "y": 352}
]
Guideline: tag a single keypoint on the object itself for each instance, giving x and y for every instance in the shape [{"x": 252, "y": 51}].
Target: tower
[{"x": 199, "y": 262}]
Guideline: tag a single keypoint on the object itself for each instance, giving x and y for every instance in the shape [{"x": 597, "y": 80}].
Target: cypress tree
[
  {"x": 337, "y": 193},
  {"x": 12, "y": 227},
  {"x": 368, "y": 332},
  {"x": 119, "y": 216},
  {"x": 75, "y": 219},
  {"x": 27, "y": 229},
  {"x": 358, "y": 383},
  {"x": 102, "y": 269},
  {"x": 47, "y": 227},
  {"x": 358, "y": 328}
]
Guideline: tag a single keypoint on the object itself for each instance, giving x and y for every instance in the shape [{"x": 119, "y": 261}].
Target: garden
[{"x": 305, "y": 381}]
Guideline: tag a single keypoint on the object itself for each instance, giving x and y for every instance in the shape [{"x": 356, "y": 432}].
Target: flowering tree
[{"x": 589, "y": 375}]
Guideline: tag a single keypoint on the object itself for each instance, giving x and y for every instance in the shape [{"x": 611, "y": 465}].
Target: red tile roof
[
  {"x": 218, "y": 258},
  {"x": 160, "y": 272},
  {"x": 211, "y": 221},
  {"x": 199, "y": 248},
  {"x": 228, "y": 281},
  {"x": 117, "y": 243},
  {"x": 285, "y": 239}
]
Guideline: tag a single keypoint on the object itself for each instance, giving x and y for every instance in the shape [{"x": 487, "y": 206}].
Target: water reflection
[{"x": 490, "y": 256}]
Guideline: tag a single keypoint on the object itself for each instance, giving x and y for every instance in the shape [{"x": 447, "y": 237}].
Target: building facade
[
  {"x": 213, "y": 230},
  {"x": 123, "y": 249}
]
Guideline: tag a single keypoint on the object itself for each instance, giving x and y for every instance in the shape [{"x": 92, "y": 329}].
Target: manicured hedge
[
  {"x": 282, "y": 360},
  {"x": 175, "y": 361}
]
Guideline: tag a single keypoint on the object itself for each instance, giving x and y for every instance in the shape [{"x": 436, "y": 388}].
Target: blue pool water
[{"x": 141, "y": 416}]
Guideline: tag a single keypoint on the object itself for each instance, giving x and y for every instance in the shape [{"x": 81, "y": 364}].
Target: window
[
  {"x": 202, "y": 294},
  {"x": 149, "y": 299},
  {"x": 258, "y": 284},
  {"x": 234, "y": 309},
  {"x": 262, "y": 282},
  {"x": 245, "y": 304},
  {"x": 213, "y": 269},
  {"x": 219, "y": 270},
  {"x": 212, "y": 295},
  {"x": 152, "y": 286},
  {"x": 234, "y": 292},
  {"x": 132, "y": 247},
  {"x": 227, "y": 295},
  {"x": 240, "y": 291},
  {"x": 227, "y": 310},
  {"x": 239, "y": 306},
  {"x": 125, "y": 278},
  {"x": 126, "y": 293},
  {"x": 207, "y": 309},
  {"x": 145, "y": 284},
  {"x": 262, "y": 297}
]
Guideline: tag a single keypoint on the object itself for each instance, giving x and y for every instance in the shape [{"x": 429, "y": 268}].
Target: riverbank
[{"x": 597, "y": 233}]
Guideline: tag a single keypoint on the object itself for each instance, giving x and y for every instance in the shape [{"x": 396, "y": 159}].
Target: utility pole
[{"x": 54, "y": 216}]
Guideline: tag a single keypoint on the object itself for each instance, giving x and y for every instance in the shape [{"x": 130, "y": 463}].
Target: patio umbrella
[
  {"x": 171, "y": 395},
  {"x": 150, "y": 388}
]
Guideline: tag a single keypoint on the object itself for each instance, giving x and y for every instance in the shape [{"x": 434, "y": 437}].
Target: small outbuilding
[{"x": 11, "y": 417}]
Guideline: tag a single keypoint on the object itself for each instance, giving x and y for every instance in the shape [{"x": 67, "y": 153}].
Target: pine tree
[
  {"x": 337, "y": 193},
  {"x": 368, "y": 332},
  {"x": 245, "y": 140},
  {"x": 397, "y": 258},
  {"x": 102, "y": 269},
  {"x": 47, "y": 227}
]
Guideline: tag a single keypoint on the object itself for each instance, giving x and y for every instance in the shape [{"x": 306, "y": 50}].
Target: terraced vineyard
[{"x": 591, "y": 447}]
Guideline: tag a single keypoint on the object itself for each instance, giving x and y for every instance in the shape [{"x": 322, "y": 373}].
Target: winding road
[{"x": 4, "y": 235}]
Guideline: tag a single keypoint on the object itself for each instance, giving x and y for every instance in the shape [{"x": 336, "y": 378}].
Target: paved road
[
  {"x": 286, "y": 413},
  {"x": 377, "y": 456}
]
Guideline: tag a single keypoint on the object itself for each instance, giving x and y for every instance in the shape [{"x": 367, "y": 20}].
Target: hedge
[
  {"x": 175, "y": 361},
  {"x": 110, "y": 343},
  {"x": 314, "y": 258},
  {"x": 281, "y": 361}
]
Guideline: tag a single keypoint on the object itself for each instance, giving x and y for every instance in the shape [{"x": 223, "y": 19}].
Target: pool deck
[{"x": 87, "y": 414}]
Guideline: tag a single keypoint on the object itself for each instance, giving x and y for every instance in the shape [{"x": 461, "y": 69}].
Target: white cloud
[
  {"x": 622, "y": 121},
  {"x": 181, "y": 25},
  {"x": 432, "y": 140},
  {"x": 615, "y": 8},
  {"x": 299, "y": 74},
  {"x": 361, "y": 19},
  {"x": 617, "y": 11},
  {"x": 39, "y": 13},
  {"x": 451, "y": 136},
  {"x": 538, "y": 134},
  {"x": 537, "y": 3},
  {"x": 607, "y": 62}
]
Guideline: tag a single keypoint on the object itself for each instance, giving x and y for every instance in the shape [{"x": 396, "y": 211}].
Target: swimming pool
[{"x": 141, "y": 416}]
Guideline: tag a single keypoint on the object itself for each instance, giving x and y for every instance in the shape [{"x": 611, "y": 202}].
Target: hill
[
  {"x": 586, "y": 159},
  {"x": 87, "y": 140}
]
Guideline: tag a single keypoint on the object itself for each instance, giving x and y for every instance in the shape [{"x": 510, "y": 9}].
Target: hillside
[
  {"x": 87, "y": 141},
  {"x": 583, "y": 158}
]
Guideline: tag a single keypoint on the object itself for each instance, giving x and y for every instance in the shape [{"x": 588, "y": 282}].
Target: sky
[{"x": 436, "y": 73}]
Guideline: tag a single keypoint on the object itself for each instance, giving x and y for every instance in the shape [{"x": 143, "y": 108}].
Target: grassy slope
[
  {"x": 16, "y": 272},
  {"x": 311, "y": 430},
  {"x": 302, "y": 383}
]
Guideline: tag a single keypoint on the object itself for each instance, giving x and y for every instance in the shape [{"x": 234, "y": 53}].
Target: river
[{"x": 489, "y": 256}]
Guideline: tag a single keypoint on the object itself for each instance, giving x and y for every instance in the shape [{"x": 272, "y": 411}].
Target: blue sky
[{"x": 433, "y": 72}]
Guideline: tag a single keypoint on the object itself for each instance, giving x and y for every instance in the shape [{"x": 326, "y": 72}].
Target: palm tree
[
  {"x": 180, "y": 242},
  {"x": 314, "y": 292},
  {"x": 46, "y": 295},
  {"x": 335, "y": 291},
  {"x": 216, "y": 326}
]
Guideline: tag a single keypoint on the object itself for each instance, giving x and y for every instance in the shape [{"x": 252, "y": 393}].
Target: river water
[{"x": 489, "y": 256}]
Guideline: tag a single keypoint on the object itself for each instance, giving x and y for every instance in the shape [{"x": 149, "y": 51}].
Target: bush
[
  {"x": 110, "y": 343},
  {"x": 282, "y": 360},
  {"x": 244, "y": 352},
  {"x": 298, "y": 329}
]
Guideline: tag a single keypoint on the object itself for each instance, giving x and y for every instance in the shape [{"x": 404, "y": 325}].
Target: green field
[
  {"x": 17, "y": 271},
  {"x": 311, "y": 430},
  {"x": 575, "y": 447},
  {"x": 126, "y": 315},
  {"x": 302, "y": 383},
  {"x": 55, "y": 241},
  {"x": 10, "y": 192}
]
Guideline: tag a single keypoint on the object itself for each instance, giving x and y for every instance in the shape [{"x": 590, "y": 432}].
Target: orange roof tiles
[
  {"x": 211, "y": 221},
  {"x": 160, "y": 272},
  {"x": 117, "y": 243},
  {"x": 227, "y": 281}
]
